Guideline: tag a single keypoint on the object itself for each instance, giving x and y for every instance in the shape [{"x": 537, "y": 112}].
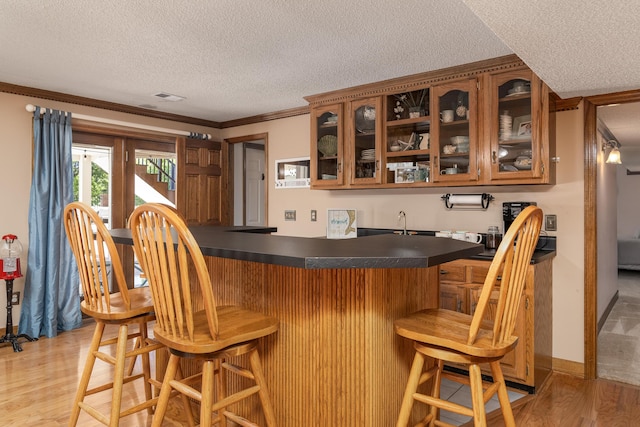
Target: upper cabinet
[
  {"x": 407, "y": 153},
  {"x": 327, "y": 148},
  {"x": 454, "y": 134},
  {"x": 364, "y": 141},
  {"x": 487, "y": 123},
  {"x": 517, "y": 130}
]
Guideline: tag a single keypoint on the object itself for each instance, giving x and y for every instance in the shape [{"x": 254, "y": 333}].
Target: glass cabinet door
[
  {"x": 454, "y": 132},
  {"x": 365, "y": 131},
  {"x": 327, "y": 154},
  {"x": 514, "y": 128},
  {"x": 407, "y": 158}
]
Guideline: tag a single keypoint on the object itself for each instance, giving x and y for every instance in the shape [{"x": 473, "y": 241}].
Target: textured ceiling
[
  {"x": 231, "y": 58},
  {"x": 578, "y": 47},
  {"x": 235, "y": 58}
]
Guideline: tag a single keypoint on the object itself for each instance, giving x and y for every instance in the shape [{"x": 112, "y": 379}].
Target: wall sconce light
[{"x": 614, "y": 154}]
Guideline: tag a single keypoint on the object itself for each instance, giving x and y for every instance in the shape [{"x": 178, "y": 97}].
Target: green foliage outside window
[{"x": 99, "y": 183}]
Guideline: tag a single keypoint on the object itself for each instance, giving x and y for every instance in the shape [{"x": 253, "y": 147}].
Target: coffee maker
[{"x": 510, "y": 211}]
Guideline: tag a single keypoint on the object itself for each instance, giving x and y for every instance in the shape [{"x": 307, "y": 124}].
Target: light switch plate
[
  {"x": 314, "y": 215},
  {"x": 289, "y": 215},
  {"x": 550, "y": 223}
]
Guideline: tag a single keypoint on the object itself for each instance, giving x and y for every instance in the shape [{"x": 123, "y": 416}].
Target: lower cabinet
[{"x": 529, "y": 364}]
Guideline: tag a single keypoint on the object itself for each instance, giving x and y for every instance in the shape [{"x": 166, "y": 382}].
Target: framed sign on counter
[{"x": 341, "y": 224}]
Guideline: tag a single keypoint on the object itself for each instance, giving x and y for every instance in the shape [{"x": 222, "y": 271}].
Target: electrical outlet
[
  {"x": 314, "y": 215},
  {"x": 289, "y": 215},
  {"x": 550, "y": 223},
  {"x": 15, "y": 298}
]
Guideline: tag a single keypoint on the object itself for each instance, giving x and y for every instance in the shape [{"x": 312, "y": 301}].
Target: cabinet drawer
[
  {"x": 478, "y": 273},
  {"x": 451, "y": 272}
]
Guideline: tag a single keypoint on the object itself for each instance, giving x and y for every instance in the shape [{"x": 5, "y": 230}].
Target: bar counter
[{"x": 335, "y": 360}]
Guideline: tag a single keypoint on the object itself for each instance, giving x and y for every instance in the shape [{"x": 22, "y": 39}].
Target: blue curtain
[{"x": 51, "y": 297}]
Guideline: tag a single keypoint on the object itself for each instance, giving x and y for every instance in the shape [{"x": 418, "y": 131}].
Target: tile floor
[
  {"x": 461, "y": 394},
  {"x": 619, "y": 338}
]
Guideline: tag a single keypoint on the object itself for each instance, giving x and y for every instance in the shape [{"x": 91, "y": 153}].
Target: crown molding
[
  {"x": 420, "y": 80},
  {"x": 105, "y": 105}
]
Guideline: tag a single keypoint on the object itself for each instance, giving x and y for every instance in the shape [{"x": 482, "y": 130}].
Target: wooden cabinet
[
  {"x": 454, "y": 136},
  {"x": 327, "y": 147},
  {"x": 520, "y": 143},
  {"x": 487, "y": 123},
  {"x": 364, "y": 144},
  {"x": 529, "y": 363},
  {"x": 407, "y": 157}
]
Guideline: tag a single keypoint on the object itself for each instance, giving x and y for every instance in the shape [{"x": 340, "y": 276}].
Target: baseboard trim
[
  {"x": 607, "y": 311},
  {"x": 568, "y": 367}
]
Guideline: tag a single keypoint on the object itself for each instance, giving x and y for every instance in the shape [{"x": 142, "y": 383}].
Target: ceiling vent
[{"x": 168, "y": 97}]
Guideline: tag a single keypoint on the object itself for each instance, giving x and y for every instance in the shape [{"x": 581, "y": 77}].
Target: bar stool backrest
[
  {"x": 96, "y": 256},
  {"x": 176, "y": 271},
  {"x": 509, "y": 268}
]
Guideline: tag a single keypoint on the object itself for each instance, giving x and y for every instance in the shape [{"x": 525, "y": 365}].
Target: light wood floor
[{"x": 37, "y": 387}]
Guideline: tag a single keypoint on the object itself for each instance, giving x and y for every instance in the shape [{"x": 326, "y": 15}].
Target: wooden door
[{"x": 202, "y": 194}]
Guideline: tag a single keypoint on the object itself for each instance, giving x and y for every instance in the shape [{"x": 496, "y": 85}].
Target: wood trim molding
[
  {"x": 591, "y": 241},
  {"x": 105, "y": 105},
  {"x": 566, "y": 104},
  {"x": 569, "y": 367},
  {"x": 414, "y": 81},
  {"x": 591, "y": 105},
  {"x": 283, "y": 114}
]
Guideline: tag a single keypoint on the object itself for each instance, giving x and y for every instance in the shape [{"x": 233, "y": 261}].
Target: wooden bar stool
[
  {"x": 94, "y": 249},
  {"x": 192, "y": 326},
  {"x": 449, "y": 336}
]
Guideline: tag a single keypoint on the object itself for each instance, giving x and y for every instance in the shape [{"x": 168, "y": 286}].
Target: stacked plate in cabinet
[{"x": 368, "y": 154}]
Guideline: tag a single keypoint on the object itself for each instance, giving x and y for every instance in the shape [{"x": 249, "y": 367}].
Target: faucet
[{"x": 403, "y": 216}]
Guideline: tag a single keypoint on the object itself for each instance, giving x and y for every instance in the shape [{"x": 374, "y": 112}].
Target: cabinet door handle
[
  {"x": 459, "y": 306},
  {"x": 444, "y": 272},
  {"x": 494, "y": 156},
  {"x": 339, "y": 166},
  {"x": 377, "y": 165}
]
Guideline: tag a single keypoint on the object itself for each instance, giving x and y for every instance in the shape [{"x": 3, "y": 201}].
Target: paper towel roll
[{"x": 465, "y": 199}]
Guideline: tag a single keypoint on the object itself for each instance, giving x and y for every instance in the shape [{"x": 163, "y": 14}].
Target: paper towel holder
[{"x": 471, "y": 200}]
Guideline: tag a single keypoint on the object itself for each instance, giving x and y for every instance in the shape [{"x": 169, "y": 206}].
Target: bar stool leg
[
  {"x": 118, "y": 380},
  {"x": 412, "y": 386},
  {"x": 165, "y": 391},
  {"x": 86, "y": 373},
  {"x": 207, "y": 392},
  {"x": 258, "y": 375}
]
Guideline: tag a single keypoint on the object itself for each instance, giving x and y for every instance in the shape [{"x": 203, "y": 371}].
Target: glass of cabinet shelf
[
  {"x": 454, "y": 133},
  {"x": 364, "y": 141},
  {"x": 407, "y": 143},
  {"x": 326, "y": 159},
  {"x": 514, "y": 150}
]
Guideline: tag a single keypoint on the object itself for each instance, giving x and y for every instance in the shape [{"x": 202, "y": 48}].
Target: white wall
[
  {"x": 607, "y": 212},
  {"x": 425, "y": 210},
  {"x": 628, "y": 203}
]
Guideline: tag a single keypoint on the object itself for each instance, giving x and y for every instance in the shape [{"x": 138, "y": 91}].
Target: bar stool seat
[{"x": 93, "y": 247}]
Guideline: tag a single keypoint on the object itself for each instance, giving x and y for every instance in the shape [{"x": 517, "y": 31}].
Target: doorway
[
  {"x": 592, "y": 245},
  {"x": 618, "y": 278},
  {"x": 249, "y": 188}
]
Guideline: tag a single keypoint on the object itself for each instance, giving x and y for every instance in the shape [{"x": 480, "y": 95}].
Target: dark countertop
[
  {"x": 374, "y": 251},
  {"x": 545, "y": 249}
]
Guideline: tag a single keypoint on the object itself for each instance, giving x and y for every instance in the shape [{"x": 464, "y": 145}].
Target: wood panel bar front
[{"x": 335, "y": 360}]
